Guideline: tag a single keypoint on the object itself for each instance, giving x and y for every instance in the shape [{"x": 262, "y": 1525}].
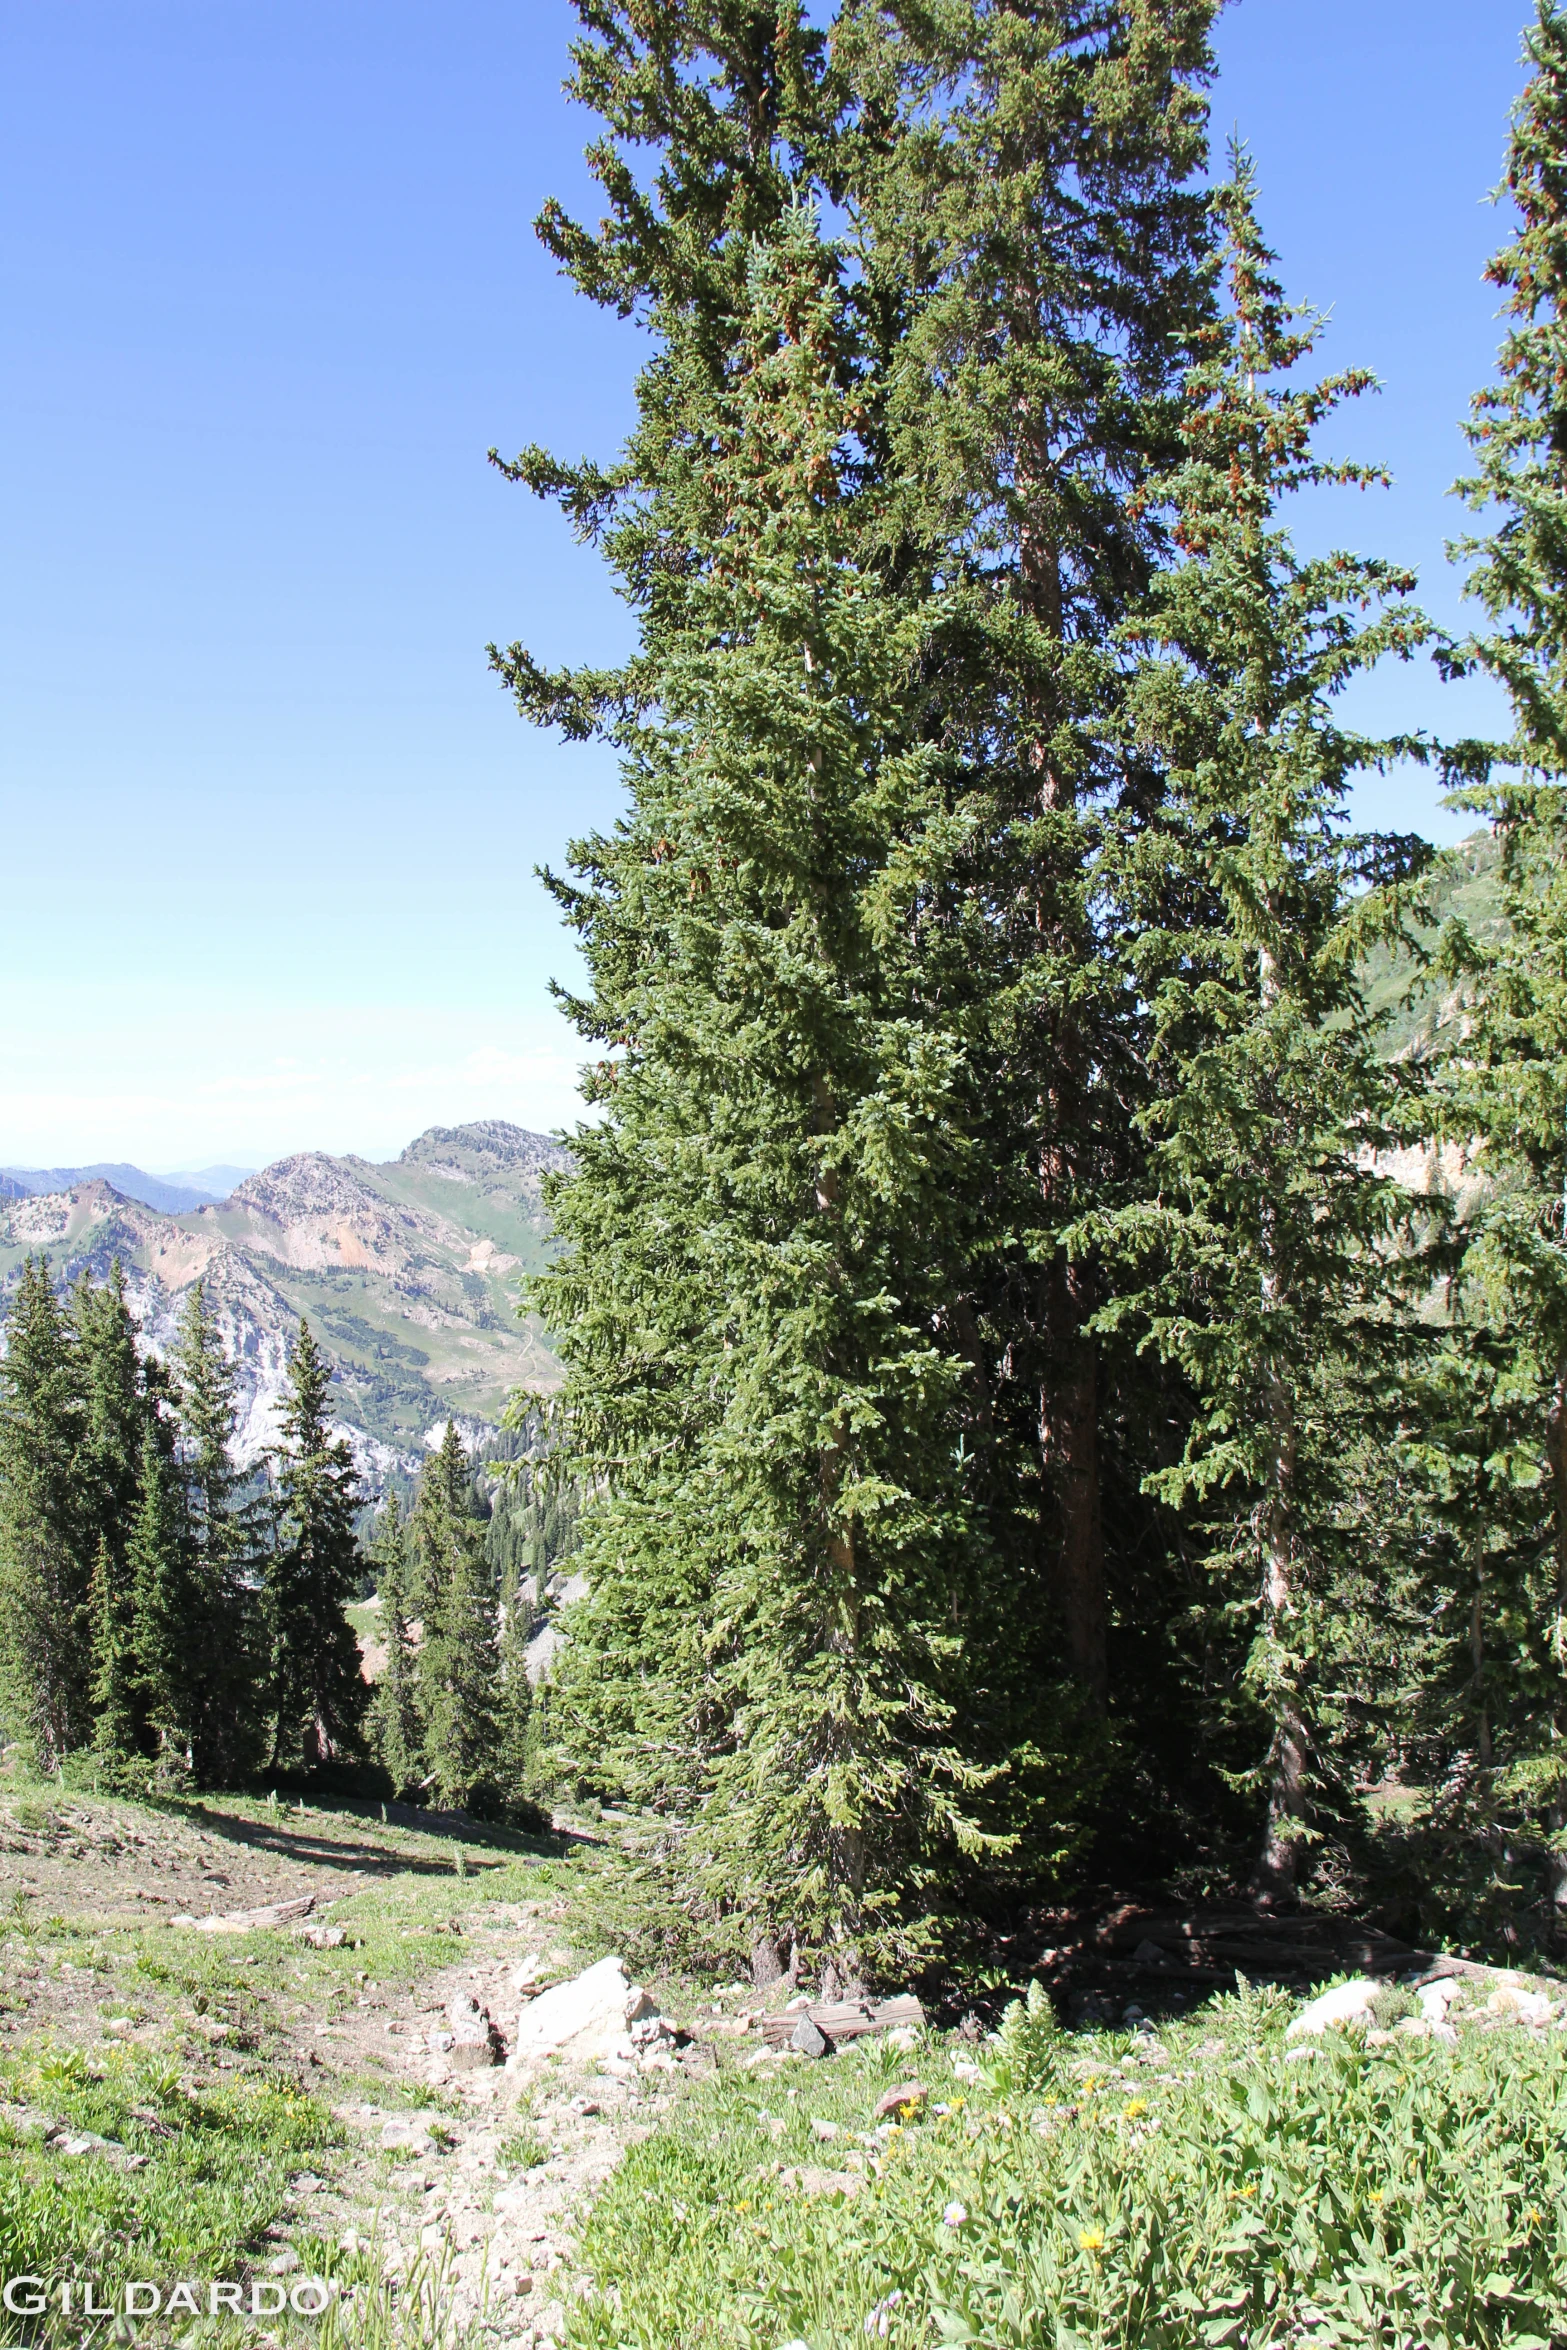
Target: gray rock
[
  {"x": 807, "y": 2040},
  {"x": 1149, "y": 1954},
  {"x": 284, "y": 2263}
]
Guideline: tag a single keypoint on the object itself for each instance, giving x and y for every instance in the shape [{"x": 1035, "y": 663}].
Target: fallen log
[
  {"x": 246, "y": 1921},
  {"x": 845, "y": 2019}
]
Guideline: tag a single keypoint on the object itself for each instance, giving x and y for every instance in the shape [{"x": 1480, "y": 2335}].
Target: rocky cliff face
[{"x": 407, "y": 1273}]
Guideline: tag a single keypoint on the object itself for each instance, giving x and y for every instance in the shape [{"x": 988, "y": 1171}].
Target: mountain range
[
  {"x": 407, "y": 1272},
  {"x": 172, "y": 1195}
]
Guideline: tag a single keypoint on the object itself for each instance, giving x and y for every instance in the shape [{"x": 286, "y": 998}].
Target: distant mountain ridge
[
  {"x": 171, "y": 1195},
  {"x": 407, "y": 1272}
]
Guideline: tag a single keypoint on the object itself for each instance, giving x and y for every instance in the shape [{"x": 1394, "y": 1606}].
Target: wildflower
[
  {"x": 1533, "y": 2217},
  {"x": 1137, "y": 2106},
  {"x": 742, "y": 2207},
  {"x": 879, "y": 2320},
  {"x": 954, "y": 2215},
  {"x": 1377, "y": 2196},
  {"x": 1091, "y": 2239}
]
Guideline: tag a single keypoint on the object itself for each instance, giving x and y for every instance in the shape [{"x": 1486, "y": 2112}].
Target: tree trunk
[
  {"x": 1276, "y": 1877},
  {"x": 1557, "y": 1815},
  {"x": 1069, "y": 1450}
]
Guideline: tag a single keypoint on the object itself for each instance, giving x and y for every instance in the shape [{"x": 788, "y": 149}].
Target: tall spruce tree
[
  {"x": 1268, "y": 1231},
  {"x": 395, "y": 1730},
  {"x": 761, "y": 1229},
  {"x": 167, "y": 1604},
  {"x": 317, "y": 1693},
  {"x": 48, "y": 1538},
  {"x": 222, "y": 1633},
  {"x": 458, "y": 1660},
  {"x": 120, "y": 1727},
  {"x": 1505, "y": 1078},
  {"x": 117, "y": 1397},
  {"x": 1034, "y": 169}
]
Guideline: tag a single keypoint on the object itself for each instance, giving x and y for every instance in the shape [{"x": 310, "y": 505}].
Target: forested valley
[{"x": 172, "y": 1622}]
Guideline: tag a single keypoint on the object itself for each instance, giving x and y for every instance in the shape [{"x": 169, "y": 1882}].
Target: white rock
[
  {"x": 1345, "y": 2003},
  {"x": 1524, "y": 2007},
  {"x": 582, "y": 2019},
  {"x": 1436, "y": 1998}
]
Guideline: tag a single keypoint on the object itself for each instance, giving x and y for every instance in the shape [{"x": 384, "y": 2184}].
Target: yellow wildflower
[
  {"x": 1377, "y": 2196},
  {"x": 1137, "y": 2106},
  {"x": 1091, "y": 2239}
]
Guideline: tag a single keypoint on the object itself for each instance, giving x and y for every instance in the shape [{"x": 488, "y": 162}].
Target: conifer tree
[
  {"x": 222, "y": 1633},
  {"x": 169, "y": 1637},
  {"x": 458, "y": 1662},
  {"x": 1267, "y": 1230},
  {"x": 1040, "y": 166},
  {"x": 317, "y": 1693},
  {"x": 1505, "y": 1078},
  {"x": 47, "y": 1537},
  {"x": 120, "y": 1727},
  {"x": 761, "y": 1225},
  {"x": 515, "y": 1745},
  {"x": 117, "y": 1398},
  {"x": 394, "y": 1726}
]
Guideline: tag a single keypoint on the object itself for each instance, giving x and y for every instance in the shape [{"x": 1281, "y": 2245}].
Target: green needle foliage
[
  {"x": 458, "y": 1670},
  {"x": 46, "y": 1551},
  {"x": 394, "y": 1726},
  {"x": 317, "y": 1695},
  {"x": 1503, "y": 1091},
  {"x": 1268, "y": 1230}
]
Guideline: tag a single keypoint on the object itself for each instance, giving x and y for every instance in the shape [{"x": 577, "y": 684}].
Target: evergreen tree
[
  {"x": 1505, "y": 1075},
  {"x": 1040, "y": 163},
  {"x": 762, "y": 1225},
  {"x": 169, "y": 1638},
  {"x": 515, "y": 1746},
  {"x": 459, "y": 1661},
  {"x": 120, "y": 1726},
  {"x": 395, "y": 1731},
  {"x": 47, "y": 1537},
  {"x": 222, "y": 1634},
  {"x": 317, "y": 1692},
  {"x": 117, "y": 1395},
  {"x": 1268, "y": 1231}
]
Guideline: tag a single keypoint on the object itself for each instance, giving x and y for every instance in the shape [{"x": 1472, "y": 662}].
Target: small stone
[
  {"x": 119, "y": 2026},
  {"x": 807, "y": 2040},
  {"x": 904, "y": 2100},
  {"x": 306, "y": 2183},
  {"x": 962, "y": 2070},
  {"x": 1149, "y": 1954},
  {"x": 284, "y": 2263},
  {"x": 822, "y": 2128},
  {"x": 321, "y": 1937}
]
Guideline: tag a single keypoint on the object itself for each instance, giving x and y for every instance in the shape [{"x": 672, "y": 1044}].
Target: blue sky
[{"x": 268, "y": 824}]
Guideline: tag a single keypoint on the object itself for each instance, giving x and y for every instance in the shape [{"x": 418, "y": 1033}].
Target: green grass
[
  {"x": 1077, "y": 2199},
  {"x": 189, "y": 2183}
]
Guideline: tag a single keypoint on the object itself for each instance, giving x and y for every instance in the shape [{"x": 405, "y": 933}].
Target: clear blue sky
[{"x": 267, "y": 824}]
